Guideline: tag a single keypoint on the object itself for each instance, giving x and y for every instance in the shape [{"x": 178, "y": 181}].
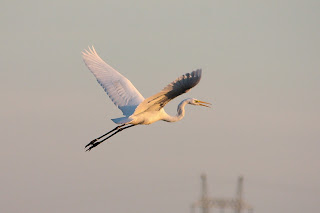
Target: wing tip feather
[
  {"x": 89, "y": 51},
  {"x": 198, "y": 72}
]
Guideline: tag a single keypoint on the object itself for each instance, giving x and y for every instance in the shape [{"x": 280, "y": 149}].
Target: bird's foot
[
  {"x": 91, "y": 142},
  {"x": 91, "y": 145}
]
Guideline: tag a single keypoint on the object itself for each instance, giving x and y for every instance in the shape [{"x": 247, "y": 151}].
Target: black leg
[
  {"x": 96, "y": 143},
  {"x": 94, "y": 140}
]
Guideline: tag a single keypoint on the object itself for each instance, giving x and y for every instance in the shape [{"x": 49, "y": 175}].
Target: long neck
[{"x": 180, "y": 112}]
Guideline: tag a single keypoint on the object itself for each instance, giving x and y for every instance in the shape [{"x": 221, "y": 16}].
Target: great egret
[{"x": 127, "y": 98}]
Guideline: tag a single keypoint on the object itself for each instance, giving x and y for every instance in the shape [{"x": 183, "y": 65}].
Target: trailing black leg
[
  {"x": 95, "y": 143},
  {"x": 94, "y": 140}
]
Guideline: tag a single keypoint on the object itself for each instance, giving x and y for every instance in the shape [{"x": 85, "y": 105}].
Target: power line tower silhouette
[{"x": 205, "y": 203}]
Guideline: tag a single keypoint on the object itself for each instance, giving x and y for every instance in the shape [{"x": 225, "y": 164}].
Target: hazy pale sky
[{"x": 260, "y": 62}]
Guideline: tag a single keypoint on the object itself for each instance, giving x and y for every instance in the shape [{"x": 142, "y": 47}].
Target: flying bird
[{"x": 136, "y": 109}]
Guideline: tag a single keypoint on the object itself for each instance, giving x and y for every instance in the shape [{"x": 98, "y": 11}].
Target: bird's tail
[{"x": 122, "y": 120}]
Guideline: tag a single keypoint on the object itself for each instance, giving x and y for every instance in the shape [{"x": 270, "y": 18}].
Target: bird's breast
[{"x": 146, "y": 118}]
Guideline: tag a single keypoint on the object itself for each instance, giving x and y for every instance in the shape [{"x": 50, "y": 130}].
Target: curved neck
[{"x": 180, "y": 112}]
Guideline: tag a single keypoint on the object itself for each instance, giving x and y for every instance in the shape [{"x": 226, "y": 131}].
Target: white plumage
[
  {"x": 135, "y": 108},
  {"x": 120, "y": 90}
]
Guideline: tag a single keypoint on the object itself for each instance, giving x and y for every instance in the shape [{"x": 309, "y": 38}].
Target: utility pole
[
  {"x": 238, "y": 206},
  {"x": 204, "y": 196},
  {"x": 205, "y": 202}
]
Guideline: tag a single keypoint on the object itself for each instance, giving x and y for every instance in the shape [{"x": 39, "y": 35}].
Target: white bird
[{"x": 127, "y": 98}]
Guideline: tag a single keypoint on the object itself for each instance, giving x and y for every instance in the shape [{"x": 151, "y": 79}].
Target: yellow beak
[{"x": 202, "y": 103}]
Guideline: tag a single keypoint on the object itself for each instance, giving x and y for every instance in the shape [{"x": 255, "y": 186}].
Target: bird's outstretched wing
[
  {"x": 120, "y": 90},
  {"x": 181, "y": 85}
]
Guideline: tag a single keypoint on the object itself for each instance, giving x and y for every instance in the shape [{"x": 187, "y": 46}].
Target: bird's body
[
  {"x": 136, "y": 109},
  {"x": 148, "y": 117}
]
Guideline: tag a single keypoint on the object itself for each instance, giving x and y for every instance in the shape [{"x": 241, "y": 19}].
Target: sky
[{"x": 260, "y": 62}]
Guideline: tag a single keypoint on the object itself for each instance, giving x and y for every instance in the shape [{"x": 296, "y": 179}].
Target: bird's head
[{"x": 196, "y": 102}]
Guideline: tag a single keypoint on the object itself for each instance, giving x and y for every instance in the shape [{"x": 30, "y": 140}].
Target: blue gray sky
[{"x": 260, "y": 62}]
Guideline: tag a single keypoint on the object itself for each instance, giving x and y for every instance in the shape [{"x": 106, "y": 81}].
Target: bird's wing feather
[
  {"x": 181, "y": 85},
  {"x": 120, "y": 90}
]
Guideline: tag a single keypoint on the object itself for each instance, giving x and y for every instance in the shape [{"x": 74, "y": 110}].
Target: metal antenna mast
[
  {"x": 238, "y": 206},
  {"x": 205, "y": 203},
  {"x": 204, "y": 196}
]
